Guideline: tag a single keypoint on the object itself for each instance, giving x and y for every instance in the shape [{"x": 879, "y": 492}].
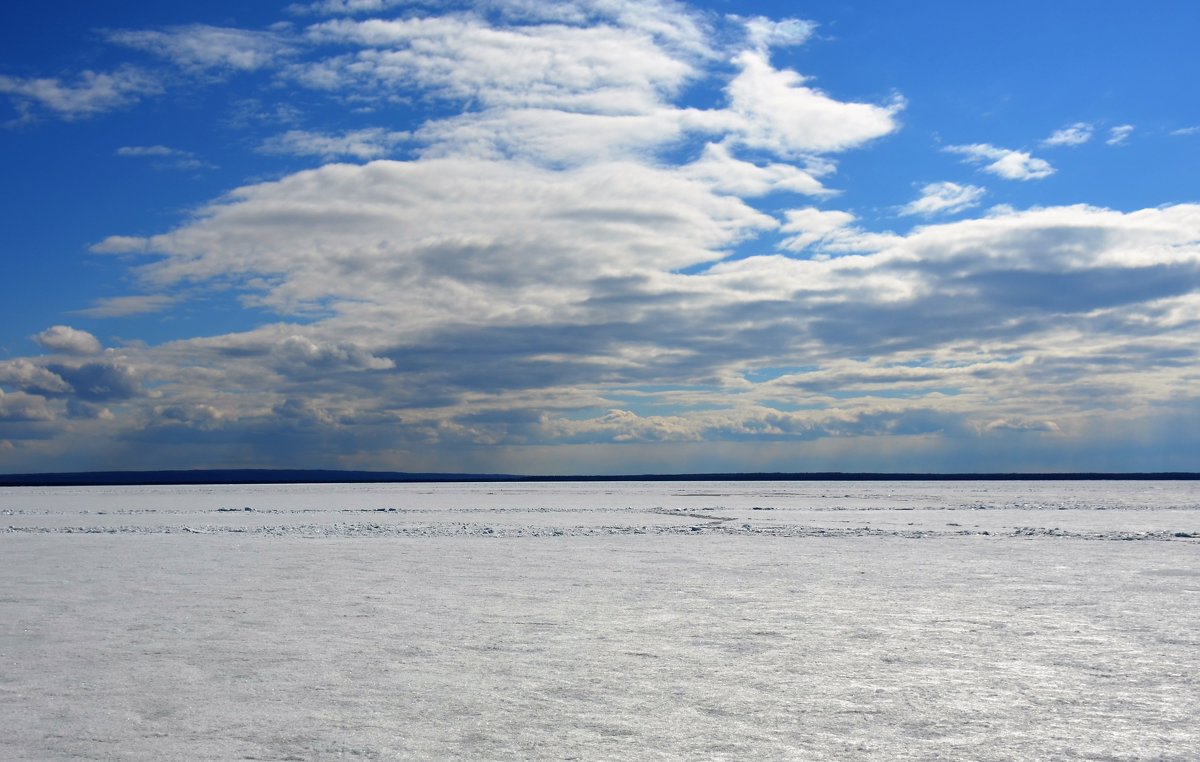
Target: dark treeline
[{"x": 305, "y": 476}]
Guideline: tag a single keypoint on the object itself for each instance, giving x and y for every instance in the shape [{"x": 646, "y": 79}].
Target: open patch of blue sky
[
  {"x": 758, "y": 375},
  {"x": 469, "y": 228}
]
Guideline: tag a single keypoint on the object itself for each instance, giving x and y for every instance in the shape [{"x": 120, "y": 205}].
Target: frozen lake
[{"x": 665, "y": 620}]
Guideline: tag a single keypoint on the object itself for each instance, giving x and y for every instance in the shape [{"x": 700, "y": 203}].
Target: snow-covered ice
[{"x": 697, "y": 620}]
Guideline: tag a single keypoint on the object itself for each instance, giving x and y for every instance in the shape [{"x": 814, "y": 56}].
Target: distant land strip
[{"x": 307, "y": 476}]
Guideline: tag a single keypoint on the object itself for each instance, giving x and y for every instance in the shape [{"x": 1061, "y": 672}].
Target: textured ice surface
[{"x": 994, "y": 621}]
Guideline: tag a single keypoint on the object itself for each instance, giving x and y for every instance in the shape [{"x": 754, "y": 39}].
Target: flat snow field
[{"x": 734, "y": 620}]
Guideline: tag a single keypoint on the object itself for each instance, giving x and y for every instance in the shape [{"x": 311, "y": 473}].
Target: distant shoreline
[{"x": 317, "y": 476}]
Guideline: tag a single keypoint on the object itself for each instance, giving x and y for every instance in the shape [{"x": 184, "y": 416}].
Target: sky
[{"x": 600, "y": 236}]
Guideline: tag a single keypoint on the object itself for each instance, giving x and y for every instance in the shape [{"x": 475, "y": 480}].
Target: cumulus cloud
[
  {"x": 1007, "y": 424},
  {"x": 1004, "y": 162},
  {"x": 978, "y": 328},
  {"x": 19, "y": 406},
  {"x": 89, "y": 94},
  {"x": 191, "y": 415},
  {"x": 99, "y": 381},
  {"x": 363, "y": 231},
  {"x": 597, "y": 69},
  {"x": 623, "y": 426},
  {"x": 1119, "y": 134},
  {"x": 555, "y": 138},
  {"x": 809, "y": 226},
  {"x": 944, "y": 198},
  {"x": 765, "y": 33},
  {"x": 781, "y": 114},
  {"x": 552, "y": 84},
  {"x": 299, "y": 352},
  {"x": 724, "y": 172},
  {"x": 369, "y": 143},
  {"x": 68, "y": 340},
  {"x": 23, "y": 374},
  {"x": 1072, "y": 135}
]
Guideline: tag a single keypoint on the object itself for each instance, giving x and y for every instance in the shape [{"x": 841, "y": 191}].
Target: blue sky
[{"x": 600, "y": 236}]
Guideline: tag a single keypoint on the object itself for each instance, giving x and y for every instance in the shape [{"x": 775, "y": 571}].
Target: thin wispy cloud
[
  {"x": 944, "y": 198},
  {"x": 155, "y": 150},
  {"x": 199, "y": 47},
  {"x": 125, "y": 306},
  {"x": 1008, "y": 163},
  {"x": 164, "y": 157},
  {"x": 1119, "y": 134},
  {"x": 86, "y": 95},
  {"x": 370, "y": 143},
  {"x": 343, "y": 7},
  {"x": 1073, "y": 135}
]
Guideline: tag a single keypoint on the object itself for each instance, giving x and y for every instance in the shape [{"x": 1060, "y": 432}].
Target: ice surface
[{"x": 907, "y": 620}]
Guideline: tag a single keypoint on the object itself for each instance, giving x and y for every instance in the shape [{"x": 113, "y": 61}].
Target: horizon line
[{"x": 210, "y": 476}]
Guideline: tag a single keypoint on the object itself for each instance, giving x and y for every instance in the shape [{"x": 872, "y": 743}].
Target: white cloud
[
  {"x": 1004, "y": 162},
  {"x": 1002, "y": 424},
  {"x": 201, "y": 47},
  {"x": 764, "y": 33},
  {"x": 583, "y": 81},
  {"x": 474, "y": 239},
  {"x": 530, "y": 295},
  {"x": 92, "y": 93},
  {"x": 68, "y": 340},
  {"x": 624, "y": 426},
  {"x": 553, "y": 137},
  {"x": 369, "y": 143},
  {"x": 120, "y": 244},
  {"x": 598, "y": 69},
  {"x": 1072, "y": 135},
  {"x": 944, "y": 198},
  {"x": 1184, "y": 131},
  {"x": 718, "y": 167},
  {"x": 1119, "y": 134},
  {"x": 784, "y": 116},
  {"x": 19, "y": 406},
  {"x": 298, "y": 351},
  {"x": 809, "y": 226},
  {"x": 27, "y": 376}
]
